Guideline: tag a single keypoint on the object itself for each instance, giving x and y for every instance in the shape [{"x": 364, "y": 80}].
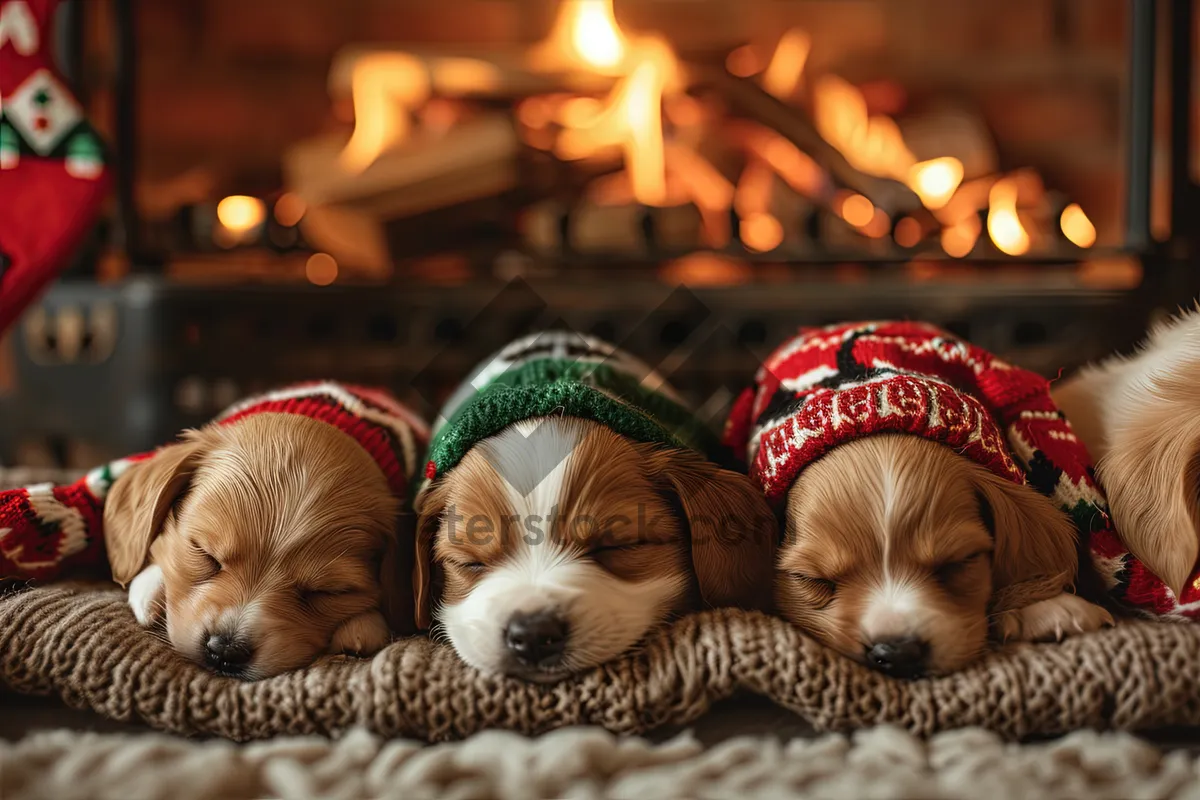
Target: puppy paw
[
  {"x": 363, "y": 635},
  {"x": 147, "y": 595},
  {"x": 1053, "y": 619}
]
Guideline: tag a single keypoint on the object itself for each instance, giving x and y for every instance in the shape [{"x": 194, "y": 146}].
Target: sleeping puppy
[
  {"x": 1140, "y": 418},
  {"x": 911, "y": 533},
  {"x": 569, "y": 510},
  {"x": 269, "y": 537}
]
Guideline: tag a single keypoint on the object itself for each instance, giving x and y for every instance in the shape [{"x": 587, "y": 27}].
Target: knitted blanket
[{"x": 82, "y": 645}]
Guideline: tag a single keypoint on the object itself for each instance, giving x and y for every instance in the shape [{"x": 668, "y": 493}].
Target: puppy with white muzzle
[
  {"x": 260, "y": 541},
  {"x": 924, "y": 484},
  {"x": 569, "y": 509}
]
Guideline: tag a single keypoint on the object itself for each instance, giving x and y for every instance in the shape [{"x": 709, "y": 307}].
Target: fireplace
[{"x": 385, "y": 192}]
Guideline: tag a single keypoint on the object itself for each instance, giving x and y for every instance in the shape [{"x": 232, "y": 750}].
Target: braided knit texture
[{"x": 83, "y": 646}]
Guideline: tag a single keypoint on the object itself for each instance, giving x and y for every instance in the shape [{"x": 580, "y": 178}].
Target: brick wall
[{"x": 227, "y": 84}]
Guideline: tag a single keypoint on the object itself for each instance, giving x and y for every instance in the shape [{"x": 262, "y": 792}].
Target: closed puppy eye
[
  {"x": 817, "y": 592},
  {"x": 470, "y": 566},
  {"x": 210, "y": 561},
  {"x": 611, "y": 548},
  {"x": 947, "y": 572},
  {"x": 632, "y": 561},
  {"x": 316, "y": 595}
]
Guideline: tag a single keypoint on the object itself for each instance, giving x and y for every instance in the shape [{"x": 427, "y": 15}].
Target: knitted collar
[
  {"x": 569, "y": 374},
  {"x": 389, "y": 432}
]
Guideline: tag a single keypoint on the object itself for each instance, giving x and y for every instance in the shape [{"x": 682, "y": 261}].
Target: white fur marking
[
  {"x": 893, "y": 610},
  {"x": 606, "y": 615},
  {"x": 147, "y": 595}
]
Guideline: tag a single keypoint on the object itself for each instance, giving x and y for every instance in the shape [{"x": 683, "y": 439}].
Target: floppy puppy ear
[
  {"x": 139, "y": 501},
  {"x": 1154, "y": 494},
  {"x": 732, "y": 532},
  {"x": 1034, "y": 541},
  {"x": 430, "y": 506},
  {"x": 395, "y": 577}
]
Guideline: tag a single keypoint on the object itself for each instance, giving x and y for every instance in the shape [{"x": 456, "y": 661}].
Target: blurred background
[{"x": 384, "y": 192}]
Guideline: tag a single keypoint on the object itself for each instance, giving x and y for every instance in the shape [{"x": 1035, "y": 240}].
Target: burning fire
[
  {"x": 872, "y": 144},
  {"x": 857, "y": 210},
  {"x": 935, "y": 180},
  {"x": 631, "y": 120},
  {"x": 380, "y": 83},
  {"x": 745, "y": 62},
  {"x": 787, "y": 65},
  {"x": 1004, "y": 226},
  {"x": 585, "y": 36},
  {"x": 394, "y": 91},
  {"x": 958, "y": 240},
  {"x": 1077, "y": 227}
]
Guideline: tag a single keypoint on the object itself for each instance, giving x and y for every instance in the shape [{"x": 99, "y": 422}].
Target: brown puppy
[
  {"x": 615, "y": 537},
  {"x": 262, "y": 542},
  {"x": 1140, "y": 419},
  {"x": 915, "y": 549},
  {"x": 922, "y": 481}
]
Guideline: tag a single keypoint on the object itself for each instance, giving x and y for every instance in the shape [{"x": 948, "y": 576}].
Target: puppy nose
[
  {"x": 900, "y": 658},
  {"x": 536, "y": 639},
  {"x": 226, "y": 655}
]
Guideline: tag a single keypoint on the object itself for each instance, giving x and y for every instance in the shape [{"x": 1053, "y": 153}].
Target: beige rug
[
  {"x": 589, "y": 763},
  {"x": 84, "y": 646}
]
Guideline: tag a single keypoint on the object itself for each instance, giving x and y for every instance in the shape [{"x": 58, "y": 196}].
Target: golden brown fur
[
  {"x": 897, "y": 538},
  {"x": 615, "y": 536},
  {"x": 277, "y": 531},
  {"x": 1140, "y": 419}
]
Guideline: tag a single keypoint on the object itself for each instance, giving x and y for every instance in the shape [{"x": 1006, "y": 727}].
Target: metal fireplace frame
[{"x": 147, "y": 341}]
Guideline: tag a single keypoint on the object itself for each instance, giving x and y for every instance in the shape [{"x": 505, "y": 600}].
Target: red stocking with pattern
[{"x": 52, "y": 171}]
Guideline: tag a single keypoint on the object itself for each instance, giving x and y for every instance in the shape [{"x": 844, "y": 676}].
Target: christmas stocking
[{"x": 52, "y": 172}]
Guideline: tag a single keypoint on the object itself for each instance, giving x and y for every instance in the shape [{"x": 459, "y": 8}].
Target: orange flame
[
  {"x": 632, "y": 120},
  {"x": 958, "y": 240},
  {"x": 380, "y": 83},
  {"x": 744, "y": 62},
  {"x": 240, "y": 214},
  {"x": 796, "y": 167},
  {"x": 935, "y": 180},
  {"x": 871, "y": 144},
  {"x": 758, "y": 228},
  {"x": 857, "y": 210},
  {"x": 585, "y": 36},
  {"x": 753, "y": 194},
  {"x": 1004, "y": 226},
  {"x": 761, "y": 232},
  {"x": 908, "y": 232},
  {"x": 707, "y": 188},
  {"x": 1077, "y": 227},
  {"x": 787, "y": 65}
]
